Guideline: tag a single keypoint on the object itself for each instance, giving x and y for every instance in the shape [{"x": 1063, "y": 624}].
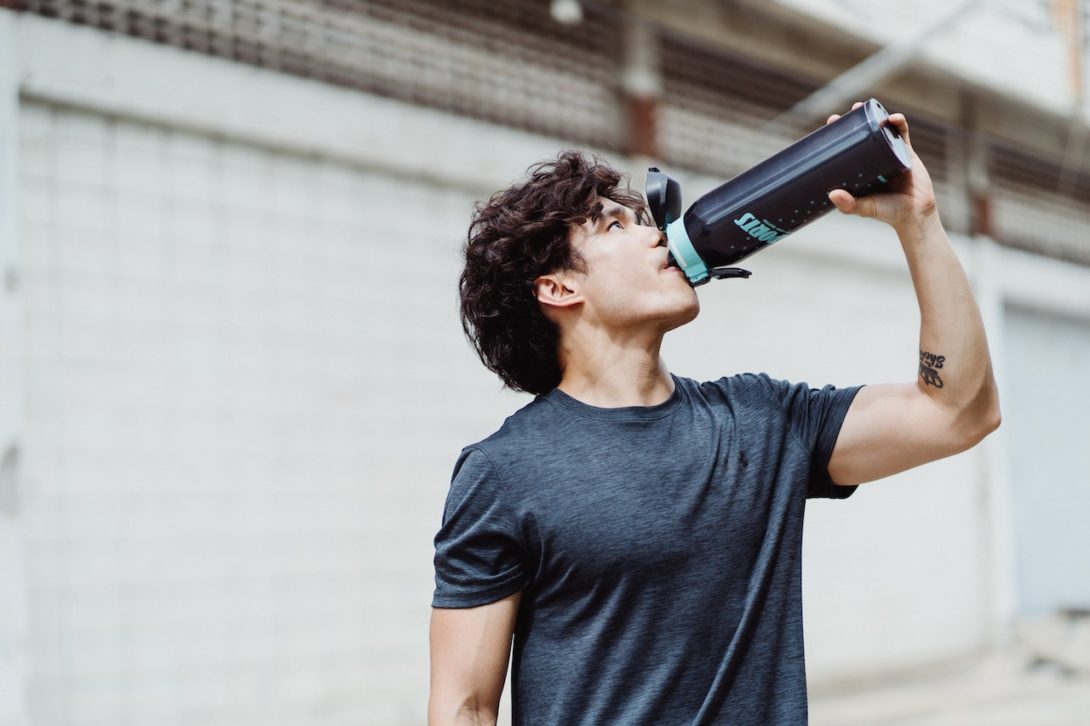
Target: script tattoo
[{"x": 929, "y": 368}]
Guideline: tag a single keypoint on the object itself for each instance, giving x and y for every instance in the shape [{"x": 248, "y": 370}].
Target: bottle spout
[{"x": 682, "y": 255}]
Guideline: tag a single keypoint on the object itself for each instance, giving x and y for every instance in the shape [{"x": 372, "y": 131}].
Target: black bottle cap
[{"x": 663, "y": 197}]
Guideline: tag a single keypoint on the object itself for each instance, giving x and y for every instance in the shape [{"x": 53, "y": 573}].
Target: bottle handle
[{"x": 720, "y": 273}]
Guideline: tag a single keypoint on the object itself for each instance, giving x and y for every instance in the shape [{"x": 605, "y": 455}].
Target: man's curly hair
[{"x": 518, "y": 235}]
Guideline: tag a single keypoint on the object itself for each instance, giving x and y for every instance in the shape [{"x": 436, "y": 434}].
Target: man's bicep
[
  {"x": 470, "y": 648},
  {"x": 890, "y": 428}
]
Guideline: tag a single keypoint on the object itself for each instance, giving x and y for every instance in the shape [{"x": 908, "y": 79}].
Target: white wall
[
  {"x": 246, "y": 386},
  {"x": 229, "y": 420}
]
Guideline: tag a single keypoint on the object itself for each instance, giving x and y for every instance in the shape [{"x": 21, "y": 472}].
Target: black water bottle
[{"x": 858, "y": 152}]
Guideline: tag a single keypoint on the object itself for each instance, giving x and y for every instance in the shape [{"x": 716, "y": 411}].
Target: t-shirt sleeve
[
  {"x": 815, "y": 417},
  {"x": 478, "y": 555}
]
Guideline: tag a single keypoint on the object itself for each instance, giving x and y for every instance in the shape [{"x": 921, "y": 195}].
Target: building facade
[{"x": 233, "y": 382}]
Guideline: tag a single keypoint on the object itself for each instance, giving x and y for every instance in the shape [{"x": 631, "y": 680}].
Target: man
[{"x": 637, "y": 533}]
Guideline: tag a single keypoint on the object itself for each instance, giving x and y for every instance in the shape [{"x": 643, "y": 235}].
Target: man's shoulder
[
  {"x": 521, "y": 429},
  {"x": 740, "y": 388}
]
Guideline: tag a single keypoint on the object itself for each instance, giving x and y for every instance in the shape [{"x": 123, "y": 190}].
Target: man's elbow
[
  {"x": 995, "y": 419},
  {"x": 977, "y": 427}
]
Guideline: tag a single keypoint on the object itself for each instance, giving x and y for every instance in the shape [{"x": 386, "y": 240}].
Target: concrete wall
[{"x": 245, "y": 386}]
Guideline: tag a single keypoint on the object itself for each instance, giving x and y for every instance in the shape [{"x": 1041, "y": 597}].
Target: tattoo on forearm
[{"x": 930, "y": 363}]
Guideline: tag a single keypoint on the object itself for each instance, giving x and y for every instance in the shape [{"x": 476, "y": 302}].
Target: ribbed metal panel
[
  {"x": 937, "y": 144},
  {"x": 512, "y": 64},
  {"x": 1039, "y": 204},
  {"x": 718, "y": 105},
  {"x": 507, "y": 62},
  {"x": 719, "y": 109}
]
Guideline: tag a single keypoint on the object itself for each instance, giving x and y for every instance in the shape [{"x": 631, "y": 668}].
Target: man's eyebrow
[{"x": 620, "y": 212}]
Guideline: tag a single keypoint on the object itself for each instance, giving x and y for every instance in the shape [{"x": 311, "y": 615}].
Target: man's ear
[{"x": 557, "y": 290}]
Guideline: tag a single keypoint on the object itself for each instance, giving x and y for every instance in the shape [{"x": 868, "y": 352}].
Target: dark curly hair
[{"x": 518, "y": 235}]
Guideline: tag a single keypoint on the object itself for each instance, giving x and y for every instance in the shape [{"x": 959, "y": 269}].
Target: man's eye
[{"x": 615, "y": 222}]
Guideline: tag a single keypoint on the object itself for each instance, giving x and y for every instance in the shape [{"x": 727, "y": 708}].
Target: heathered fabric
[{"x": 658, "y": 549}]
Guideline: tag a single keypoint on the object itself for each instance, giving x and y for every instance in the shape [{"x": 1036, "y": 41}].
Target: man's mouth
[
  {"x": 667, "y": 258},
  {"x": 666, "y": 262}
]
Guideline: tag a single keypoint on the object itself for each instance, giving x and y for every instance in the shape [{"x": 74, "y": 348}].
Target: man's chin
[
  {"x": 693, "y": 314},
  {"x": 685, "y": 316}
]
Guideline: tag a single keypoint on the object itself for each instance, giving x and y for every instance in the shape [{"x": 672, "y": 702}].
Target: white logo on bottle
[{"x": 756, "y": 229}]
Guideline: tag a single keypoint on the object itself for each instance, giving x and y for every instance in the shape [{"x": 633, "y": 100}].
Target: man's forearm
[{"x": 955, "y": 368}]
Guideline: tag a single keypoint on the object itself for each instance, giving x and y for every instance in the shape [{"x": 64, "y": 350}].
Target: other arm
[
  {"x": 954, "y": 402},
  {"x": 470, "y": 648}
]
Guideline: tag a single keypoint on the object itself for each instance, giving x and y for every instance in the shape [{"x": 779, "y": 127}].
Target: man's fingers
[
  {"x": 859, "y": 206},
  {"x": 899, "y": 120},
  {"x": 843, "y": 201},
  {"x": 835, "y": 116}
]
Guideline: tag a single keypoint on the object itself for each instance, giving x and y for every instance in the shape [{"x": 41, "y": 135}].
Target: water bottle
[{"x": 858, "y": 152}]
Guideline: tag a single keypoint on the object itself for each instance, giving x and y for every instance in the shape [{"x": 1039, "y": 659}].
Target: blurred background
[{"x": 233, "y": 383}]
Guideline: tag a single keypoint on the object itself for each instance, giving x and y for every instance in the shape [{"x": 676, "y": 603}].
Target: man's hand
[{"x": 911, "y": 196}]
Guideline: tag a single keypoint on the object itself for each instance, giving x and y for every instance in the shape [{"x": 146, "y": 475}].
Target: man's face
[{"x": 627, "y": 284}]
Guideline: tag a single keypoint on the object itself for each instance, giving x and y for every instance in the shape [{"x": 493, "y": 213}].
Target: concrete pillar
[
  {"x": 641, "y": 85},
  {"x": 1001, "y": 588},
  {"x": 977, "y": 181}
]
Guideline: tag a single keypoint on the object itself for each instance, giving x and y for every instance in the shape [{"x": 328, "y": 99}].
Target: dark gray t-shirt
[{"x": 658, "y": 550}]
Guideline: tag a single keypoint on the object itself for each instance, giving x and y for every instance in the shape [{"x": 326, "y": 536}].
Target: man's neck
[{"x": 612, "y": 372}]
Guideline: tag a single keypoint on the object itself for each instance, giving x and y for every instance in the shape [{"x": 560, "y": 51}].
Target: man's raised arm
[{"x": 954, "y": 402}]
